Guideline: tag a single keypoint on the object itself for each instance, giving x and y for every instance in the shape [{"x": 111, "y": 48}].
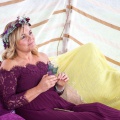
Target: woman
[{"x": 27, "y": 87}]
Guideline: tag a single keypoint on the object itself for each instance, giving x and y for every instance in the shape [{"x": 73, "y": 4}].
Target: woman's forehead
[{"x": 25, "y": 29}]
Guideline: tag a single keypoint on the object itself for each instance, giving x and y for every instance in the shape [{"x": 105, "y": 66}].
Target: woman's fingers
[
  {"x": 44, "y": 76},
  {"x": 63, "y": 76},
  {"x": 66, "y": 79},
  {"x": 51, "y": 80},
  {"x": 47, "y": 82}
]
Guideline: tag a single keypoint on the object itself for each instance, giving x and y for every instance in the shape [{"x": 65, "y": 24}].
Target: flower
[
  {"x": 52, "y": 69},
  {"x": 19, "y": 22}
]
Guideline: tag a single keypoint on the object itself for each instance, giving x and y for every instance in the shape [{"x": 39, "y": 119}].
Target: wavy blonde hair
[{"x": 10, "y": 53}]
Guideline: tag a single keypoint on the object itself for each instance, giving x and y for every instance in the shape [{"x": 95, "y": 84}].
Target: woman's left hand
[{"x": 62, "y": 79}]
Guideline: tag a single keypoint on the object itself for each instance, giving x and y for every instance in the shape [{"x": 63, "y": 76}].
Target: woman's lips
[{"x": 31, "y": 43}]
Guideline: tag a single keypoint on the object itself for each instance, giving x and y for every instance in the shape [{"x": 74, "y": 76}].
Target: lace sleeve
[{"x": 8, "y": 84}]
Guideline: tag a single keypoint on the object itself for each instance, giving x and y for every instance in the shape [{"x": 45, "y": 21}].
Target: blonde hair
[{"x": 10, "y": 52}]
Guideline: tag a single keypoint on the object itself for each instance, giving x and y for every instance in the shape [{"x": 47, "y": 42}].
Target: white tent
[{"x": 62, "y": 25}]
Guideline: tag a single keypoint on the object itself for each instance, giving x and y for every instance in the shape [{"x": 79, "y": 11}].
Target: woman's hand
[
  {"x": 62, "y": 79},
  {"x": 46, "y": 82}
]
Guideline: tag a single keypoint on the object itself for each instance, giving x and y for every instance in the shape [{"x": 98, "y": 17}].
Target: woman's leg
[
  {"x": 99, "y": 109},
  {"x": 50, "y": 114}
]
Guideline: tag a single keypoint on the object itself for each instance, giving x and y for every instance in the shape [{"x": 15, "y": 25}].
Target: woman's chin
[{"x": 32, "y": 46}]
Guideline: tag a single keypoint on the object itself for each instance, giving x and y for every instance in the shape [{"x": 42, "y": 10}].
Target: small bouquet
[{"x": 52, "y": 68}]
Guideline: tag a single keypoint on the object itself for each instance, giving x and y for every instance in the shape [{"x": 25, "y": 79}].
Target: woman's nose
[{"x": 29, "y": 37}]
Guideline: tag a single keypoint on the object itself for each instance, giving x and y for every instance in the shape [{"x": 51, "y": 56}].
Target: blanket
[{"x": 91, "y": 78}]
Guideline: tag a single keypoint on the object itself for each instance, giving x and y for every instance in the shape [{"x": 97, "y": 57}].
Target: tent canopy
[{"x": 67, "y": 24}]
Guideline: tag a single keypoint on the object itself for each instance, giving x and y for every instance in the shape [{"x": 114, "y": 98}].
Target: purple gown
[{"x": 18, "y": 80}]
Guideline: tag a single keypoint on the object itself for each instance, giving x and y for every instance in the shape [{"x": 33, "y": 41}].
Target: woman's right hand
[{"x": 46, "y": 82}]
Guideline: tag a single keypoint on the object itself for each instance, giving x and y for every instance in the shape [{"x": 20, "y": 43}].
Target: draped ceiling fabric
[
  {"x": 80, "y": 21},
  {"x": 96, "y": 21},
  {"x": 47, "y": 18}
]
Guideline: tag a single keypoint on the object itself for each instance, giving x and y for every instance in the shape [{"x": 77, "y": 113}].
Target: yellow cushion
[{"x": 92, "y": 79}]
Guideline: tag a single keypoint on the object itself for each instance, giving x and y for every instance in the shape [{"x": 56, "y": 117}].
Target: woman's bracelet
[{"x": 59, "y": 91}]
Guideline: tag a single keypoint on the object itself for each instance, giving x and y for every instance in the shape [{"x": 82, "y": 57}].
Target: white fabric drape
[
  {"x": 48, "y": 18},
  {"x": 96, "y": 21}
]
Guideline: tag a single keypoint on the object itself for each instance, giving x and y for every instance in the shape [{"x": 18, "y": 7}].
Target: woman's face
[{"x": 27, "y": 40}]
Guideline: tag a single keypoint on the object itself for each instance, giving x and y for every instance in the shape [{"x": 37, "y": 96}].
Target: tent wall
[
  {"x": 48, "y": 18},
  {"x": 94, "y": 21}
]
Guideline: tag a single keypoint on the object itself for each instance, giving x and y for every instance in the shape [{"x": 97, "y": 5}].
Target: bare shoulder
[
  {"x": 43, "y": 57},
  {"x": 8, "y": 64}
]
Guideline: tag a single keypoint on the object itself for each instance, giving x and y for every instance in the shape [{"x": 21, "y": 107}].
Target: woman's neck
[{"x": 25, "y": 56}]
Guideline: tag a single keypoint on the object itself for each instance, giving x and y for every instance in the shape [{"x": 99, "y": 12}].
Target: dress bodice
[
  {"x": 15, "y": 82},
  {"x": 30, "y": 75}
]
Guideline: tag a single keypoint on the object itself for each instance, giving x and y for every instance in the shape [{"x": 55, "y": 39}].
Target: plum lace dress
[{"x": 14, "y": 84}]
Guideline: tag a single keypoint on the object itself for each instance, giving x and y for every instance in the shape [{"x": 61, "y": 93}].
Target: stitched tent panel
[
  {"x": 47, "y": 18},
  {"x": 96, "y": 21},
  {"x": 91, "y": 75}
]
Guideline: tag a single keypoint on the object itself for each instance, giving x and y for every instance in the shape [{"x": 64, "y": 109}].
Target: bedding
[
  {"x": 11, "y": 116},
  {"x": 92, "y": 79}
]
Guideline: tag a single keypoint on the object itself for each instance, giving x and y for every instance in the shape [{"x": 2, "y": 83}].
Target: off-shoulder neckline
[{"x": 25, "y": 66}]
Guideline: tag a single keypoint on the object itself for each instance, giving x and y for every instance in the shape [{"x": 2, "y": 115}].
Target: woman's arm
[
  {"x": 8, "y": 84},
  {"x": 45, "y": 83},
  {"x": 60, "y": 85}
]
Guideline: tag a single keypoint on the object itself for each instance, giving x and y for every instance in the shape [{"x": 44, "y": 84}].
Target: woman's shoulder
[
  {"x": 43, "y": 56},
  {"x": 8, "y": 64}
]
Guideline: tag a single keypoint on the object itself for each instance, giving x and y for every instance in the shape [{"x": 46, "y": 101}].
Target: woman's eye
[
  {"x": 23, "y": 37},
  {"x": 30, "y": 32}
]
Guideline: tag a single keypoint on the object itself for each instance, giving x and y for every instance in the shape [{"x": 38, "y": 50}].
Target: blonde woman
[{"x": 27, "y": 87}]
